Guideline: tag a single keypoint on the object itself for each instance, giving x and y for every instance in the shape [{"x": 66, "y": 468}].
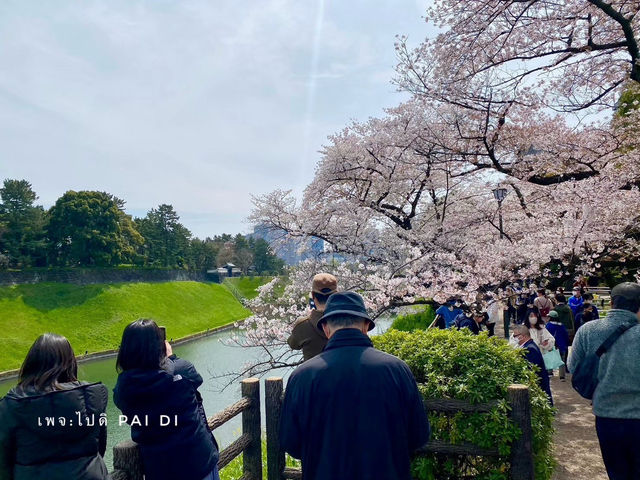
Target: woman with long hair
[
  {"x": 51, "y": 425},
  {"x": 157, "y": 392}
]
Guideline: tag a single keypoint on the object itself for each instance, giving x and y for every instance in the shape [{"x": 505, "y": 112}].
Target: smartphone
[{"x": 164, "y": 332}]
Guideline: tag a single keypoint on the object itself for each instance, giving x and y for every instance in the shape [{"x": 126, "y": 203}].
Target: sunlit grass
[
  {"x": 233, "y": 471},
  {"x": 247, "y": 287},
  {"x": 92, "y": 317}
]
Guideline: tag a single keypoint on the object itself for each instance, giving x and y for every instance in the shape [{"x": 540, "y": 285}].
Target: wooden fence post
[
  {"x": 126, "y": 458},
  {"x": 521, "y": 450},
  {"x": 252, "y": 456},
  {"x": 273, "y": 409}
]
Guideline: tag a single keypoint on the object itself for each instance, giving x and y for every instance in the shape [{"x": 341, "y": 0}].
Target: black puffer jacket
[
  {"x": 184, "y": 448},
  {"x": 34, "y": 444}
]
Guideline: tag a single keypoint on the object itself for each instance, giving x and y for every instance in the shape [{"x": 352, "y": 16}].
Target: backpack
[
  {"x": 544, "y": 311},
  {"x": 584, "y": 379}
]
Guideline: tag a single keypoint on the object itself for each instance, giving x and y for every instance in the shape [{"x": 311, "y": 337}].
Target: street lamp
[{"x": 499, "y": 194}]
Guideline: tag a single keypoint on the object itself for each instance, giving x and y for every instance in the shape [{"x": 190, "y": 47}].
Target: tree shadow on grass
[{"x": 45, "y": 297}]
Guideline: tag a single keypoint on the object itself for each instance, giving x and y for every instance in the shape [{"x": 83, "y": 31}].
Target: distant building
[
  {"x": 229, "y": 270},
  {"x": 291, "y": 250}
]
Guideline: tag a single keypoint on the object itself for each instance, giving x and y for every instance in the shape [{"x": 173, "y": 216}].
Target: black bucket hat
[{"x": 348, "y": 304}]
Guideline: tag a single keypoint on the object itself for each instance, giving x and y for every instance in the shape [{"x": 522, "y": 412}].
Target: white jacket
[{"x": 540, "y": 336}]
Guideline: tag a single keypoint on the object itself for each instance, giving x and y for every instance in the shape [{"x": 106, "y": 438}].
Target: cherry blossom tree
[
  {"x": 405, "y": 203},
  {"x": 567, "y": 54}
]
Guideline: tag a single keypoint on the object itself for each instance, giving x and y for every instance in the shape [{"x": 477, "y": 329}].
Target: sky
[{"x": 196, "y": 103}]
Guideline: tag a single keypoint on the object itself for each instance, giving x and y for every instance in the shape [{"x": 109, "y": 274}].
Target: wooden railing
[
  {"x": 128, "y": 464},
  {"x": 521, "y": 450}
]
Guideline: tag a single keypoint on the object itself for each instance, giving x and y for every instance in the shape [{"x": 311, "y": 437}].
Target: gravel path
[{"x": 576, "y": 443}]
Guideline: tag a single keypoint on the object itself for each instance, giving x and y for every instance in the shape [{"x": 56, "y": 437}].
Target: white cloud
[{"x": 194, "y": 103}]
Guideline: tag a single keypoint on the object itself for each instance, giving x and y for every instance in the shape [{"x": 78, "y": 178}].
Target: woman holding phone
[
  {"x": 157, "y": 392},
  {"x": 51, "y": 425}
]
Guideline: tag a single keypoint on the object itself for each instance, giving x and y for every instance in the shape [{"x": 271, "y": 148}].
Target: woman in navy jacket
[{"x": 157, "y": 392}]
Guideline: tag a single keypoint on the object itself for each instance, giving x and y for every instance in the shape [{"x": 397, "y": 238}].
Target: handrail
[{"x": 228, "y": 413}]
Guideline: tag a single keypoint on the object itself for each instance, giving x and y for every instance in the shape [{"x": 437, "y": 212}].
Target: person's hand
[{"x": 169, "y": 349}]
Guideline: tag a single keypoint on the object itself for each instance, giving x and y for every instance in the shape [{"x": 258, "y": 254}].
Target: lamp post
[{"x": 499, "y": 194}]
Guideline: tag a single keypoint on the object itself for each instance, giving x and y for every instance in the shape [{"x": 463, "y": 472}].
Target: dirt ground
[{"x": 576, "y": 443}]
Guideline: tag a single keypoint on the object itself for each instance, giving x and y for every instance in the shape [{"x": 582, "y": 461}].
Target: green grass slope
[
  {"x": 92, "y": 317},
  {"x": 247, "y": 287}
]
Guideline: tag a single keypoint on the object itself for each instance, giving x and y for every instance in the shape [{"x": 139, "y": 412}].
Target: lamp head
[{"x": 499, "y": 194}]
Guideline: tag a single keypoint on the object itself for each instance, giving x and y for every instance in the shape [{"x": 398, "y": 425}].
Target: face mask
[
  {"x": 533, "y": 320},
  {"x": 513, "y": 341},
  {"x": 458, "y": 305}
]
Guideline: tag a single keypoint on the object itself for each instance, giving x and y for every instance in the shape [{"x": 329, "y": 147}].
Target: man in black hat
[
  {"x": 616, "y": 400},
  {"x": 352, "y": 412}
]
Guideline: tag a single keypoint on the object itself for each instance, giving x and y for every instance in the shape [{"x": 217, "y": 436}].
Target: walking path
[{"x": 576, "y": 444}]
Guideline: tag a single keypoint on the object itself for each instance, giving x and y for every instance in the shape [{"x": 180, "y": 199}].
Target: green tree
[
  {"x": 22, "y": 235},
  {"x": 166, "y": 239},
  {"x": 203, "y": 254},
  {"x": 263, "y": 258},
  {"x": 90, "y": 228}
]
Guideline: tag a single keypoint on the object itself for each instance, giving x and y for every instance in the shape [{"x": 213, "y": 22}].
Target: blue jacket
[
  {"x": 534, "y": 356},
  {"x": 186, "y": 450},
  {"x": 448, "y": 315},
  {"x": 559, "y": 332},
  {"x": 353, "y": 412},
  {"x": 575, "y": 304}
]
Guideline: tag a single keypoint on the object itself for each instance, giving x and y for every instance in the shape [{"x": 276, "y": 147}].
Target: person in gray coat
[
  {"x": 616, "y": 400},
  {"x": 51, "y": 425}
]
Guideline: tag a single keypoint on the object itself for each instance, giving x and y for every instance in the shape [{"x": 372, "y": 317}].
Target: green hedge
[
  {"x": 415, "y": 321},
  {"x": 458, "y": 365}
]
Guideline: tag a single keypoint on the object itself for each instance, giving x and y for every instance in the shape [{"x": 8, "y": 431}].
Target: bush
[
  {"x": 414, "y": 321},
  {"x": 458, "y": 365}
]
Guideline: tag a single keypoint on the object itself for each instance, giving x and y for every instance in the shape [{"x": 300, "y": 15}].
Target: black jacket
[
  {"x": 353, "y": 412},
  {"x": 34, "y": 444},
  {"x": 471, "y": 324},
  {"x": 185, "y": 448}
]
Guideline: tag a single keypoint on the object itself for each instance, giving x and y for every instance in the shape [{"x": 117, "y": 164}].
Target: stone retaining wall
[{"x": 86, "y": 276}]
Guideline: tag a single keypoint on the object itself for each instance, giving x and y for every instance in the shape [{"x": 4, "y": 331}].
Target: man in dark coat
[
  {"x": 533, "y": 356},
  {"x": 352, "y": 412},
  {"x": 305, "y": 335},
  {"x": 472, "y": 321}
]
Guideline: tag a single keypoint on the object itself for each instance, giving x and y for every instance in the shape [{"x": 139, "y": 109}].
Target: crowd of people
[{"x": 347, "y": 401}]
